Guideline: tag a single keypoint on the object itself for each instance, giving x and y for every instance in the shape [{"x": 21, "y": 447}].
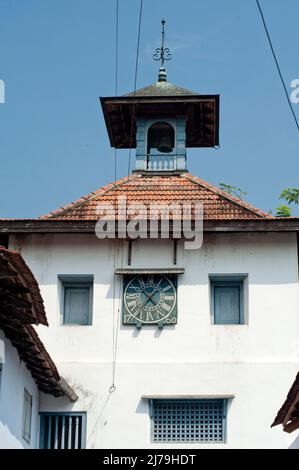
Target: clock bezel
[{"x": 169, "y": 319}]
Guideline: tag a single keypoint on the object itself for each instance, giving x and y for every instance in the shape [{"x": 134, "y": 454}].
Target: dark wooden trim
[
  {"x": 4, "y": 240},
  {"x": 120, "y": 112},
  {"x": 130, "y": 252},
  {"x": 82, "y": 226},
  {"x": 292, "y": 426},
  {"x": 149, "y": 271},
  {"x": 175, "y": 251}
]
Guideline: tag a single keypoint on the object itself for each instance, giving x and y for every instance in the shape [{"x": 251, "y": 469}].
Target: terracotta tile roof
[
  {"x": 146, "y": 189},
  {"x": 289, "y": 412},
  {"x": 19, "y": 289},
  {"x": 22, "y": 306}
]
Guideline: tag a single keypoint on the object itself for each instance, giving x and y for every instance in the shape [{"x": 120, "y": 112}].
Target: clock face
[{"x": 150, "y": 299}]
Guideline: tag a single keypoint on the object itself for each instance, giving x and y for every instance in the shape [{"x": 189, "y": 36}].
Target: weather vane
[{"x": 162, "y": 53}]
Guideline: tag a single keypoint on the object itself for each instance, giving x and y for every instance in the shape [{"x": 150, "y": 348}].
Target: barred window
[
  {"x": 189, "y": 420},
  {"x": 62, "y": 430}
]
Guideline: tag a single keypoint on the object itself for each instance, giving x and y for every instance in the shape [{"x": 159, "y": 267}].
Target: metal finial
[{"x": 162, "y": 53}]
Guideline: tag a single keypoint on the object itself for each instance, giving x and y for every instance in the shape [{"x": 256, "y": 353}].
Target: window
[
  {"x": 77, "y": 300},
  {"x": 160, "y": 137},
  {"x": 62, "y": 430},
  {"x": 227, "y": 300},
  {"x": 27, "y": 412},
  {"x": 189, "y": 420}
]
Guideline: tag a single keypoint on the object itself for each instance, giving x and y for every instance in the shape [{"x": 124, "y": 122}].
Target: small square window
[
  {"x": 76, "y": 300},
  {"x": 227, "y": 300},
  {"x": 27, "y": 412}
]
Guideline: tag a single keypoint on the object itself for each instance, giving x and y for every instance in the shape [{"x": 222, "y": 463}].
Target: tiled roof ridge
[
  {"x": 163, "y": 86},
  {"x": 88, "y": 197},
  {"x": 235, "y": 200}
]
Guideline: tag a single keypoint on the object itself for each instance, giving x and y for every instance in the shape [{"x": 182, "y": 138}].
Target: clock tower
[{"x": 161, "y": 121}]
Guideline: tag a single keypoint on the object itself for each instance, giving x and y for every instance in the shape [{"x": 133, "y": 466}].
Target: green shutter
[
  {"x": 227, "y": 304},
  {"x": 77, "y": 305},
  {"x": 27, "y": 412}
]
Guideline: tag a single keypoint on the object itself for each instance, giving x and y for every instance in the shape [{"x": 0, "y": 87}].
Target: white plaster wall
[
  {"x": 14, "y": 378},
  {"x": 256, "y": 362},
  {"x": 121, "y": 419}
]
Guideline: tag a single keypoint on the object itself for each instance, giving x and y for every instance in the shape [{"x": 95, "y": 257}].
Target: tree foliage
[
  {"x": 290, "y": 195},
  {"x": 283, "y": 211},
  {"x": 232, "y": 190}
]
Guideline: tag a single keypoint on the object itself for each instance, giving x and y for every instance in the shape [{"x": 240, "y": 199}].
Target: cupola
[{"x": 161, "y": 121}]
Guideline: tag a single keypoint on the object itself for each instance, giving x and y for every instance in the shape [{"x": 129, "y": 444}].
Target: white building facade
[
  {"x": 26, "y": 369},
  {"x": 213, "y": 375},
  {"x": 249, "y": 364},
  {"x": 15, "y": 386}
]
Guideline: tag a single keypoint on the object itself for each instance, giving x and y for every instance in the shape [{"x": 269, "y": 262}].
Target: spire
[{"x": 162, "y": 53}]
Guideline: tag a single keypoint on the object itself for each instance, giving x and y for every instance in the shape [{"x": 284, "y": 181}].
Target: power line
[
  {"x": 277, "y": 64},
  {"x": 135, "y": 81},
  {"x": 116, "y": 327},
  {"x": 116, "y": 45},
  {"x": 116, "y": 74},
  {"x": 112, "y": 387}
]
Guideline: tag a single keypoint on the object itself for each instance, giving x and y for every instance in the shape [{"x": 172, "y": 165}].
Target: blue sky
[{"x": 57, "y": 58}]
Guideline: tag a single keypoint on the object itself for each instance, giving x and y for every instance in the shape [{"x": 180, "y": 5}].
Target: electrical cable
[
  {"x": 277, "y": 64},
  {"x": 135, "y": 82},
  {"x": 116, "y": 327},
  {"x": 112, "y": 387}
]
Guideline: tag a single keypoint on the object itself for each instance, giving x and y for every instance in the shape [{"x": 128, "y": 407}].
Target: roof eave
[
  {"x": 128, "y": 102},
  {"x": 10, "y": 227}
]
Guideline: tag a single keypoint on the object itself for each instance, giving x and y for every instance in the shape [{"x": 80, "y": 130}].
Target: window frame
[
  {"x": 27, "y": 401},
  {"x": 43, "y": 414},
  {"x": 229, "y": 280},
  {"x": 75, "y": 281},
  {"x": 225, "y": 404}
]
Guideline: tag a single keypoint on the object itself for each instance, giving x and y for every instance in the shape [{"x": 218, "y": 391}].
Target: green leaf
[
  {"x": 290, "y": 195},
  {"x": 283, "y": 211}
]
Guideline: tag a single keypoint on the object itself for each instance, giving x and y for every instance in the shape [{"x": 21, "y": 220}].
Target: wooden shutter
[
  {"x": 227, "y": 304},
  {"x": 27, "y": 412},
  {"x": 77, "y": 305}
]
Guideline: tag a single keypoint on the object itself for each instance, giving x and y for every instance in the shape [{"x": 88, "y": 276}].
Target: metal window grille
[
  {"x": 188, "y": 420},
  {"x": 62, "y": 430}
]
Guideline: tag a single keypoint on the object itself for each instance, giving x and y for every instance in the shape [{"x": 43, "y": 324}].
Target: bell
[{"x": 164, "y": 146}]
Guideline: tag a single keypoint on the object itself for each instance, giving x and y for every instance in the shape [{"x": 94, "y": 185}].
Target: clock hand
[{"x": 149, "y": 297}]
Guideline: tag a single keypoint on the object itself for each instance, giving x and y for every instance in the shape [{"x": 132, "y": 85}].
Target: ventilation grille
[
  {"x": 188, "y": 420},
  {"x": 62, "y": 431}
]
